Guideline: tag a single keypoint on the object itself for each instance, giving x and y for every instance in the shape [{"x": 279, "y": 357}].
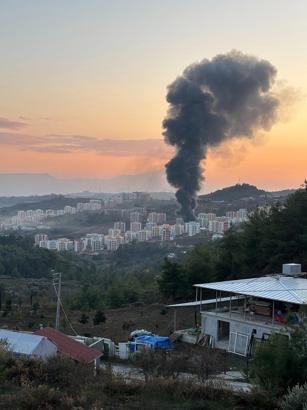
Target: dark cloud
[{"x": 229, "y": 96}]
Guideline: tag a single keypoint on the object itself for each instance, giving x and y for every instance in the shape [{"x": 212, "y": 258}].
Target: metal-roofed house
[
  {"x": 68, "y": 346},
  {"x": 245, "y": 310},
  {"x": 26, "y": 344}
]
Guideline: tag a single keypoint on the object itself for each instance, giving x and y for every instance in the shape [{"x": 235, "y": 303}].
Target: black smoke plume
[{"x": 213, "y": 101}]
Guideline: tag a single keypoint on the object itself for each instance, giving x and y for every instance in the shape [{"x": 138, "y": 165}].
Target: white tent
[{"x": 21, "y": 343}]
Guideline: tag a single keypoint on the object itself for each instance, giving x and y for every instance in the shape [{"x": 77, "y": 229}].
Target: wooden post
[
  {"x": 175, "y": 319},
  {"x": 220, "y": 298},
  {"x": 245, "y": 307}
]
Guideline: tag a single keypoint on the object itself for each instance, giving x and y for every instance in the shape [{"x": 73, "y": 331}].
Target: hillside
[
  {"x": 234, "y": 192},
  {"x": 42, "y": 202},
  {"x": 9, "y": 201}
]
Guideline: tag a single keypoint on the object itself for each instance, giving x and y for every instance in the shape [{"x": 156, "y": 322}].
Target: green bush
[
  {"x": 41, "y": 397},
  {"x": 281, "y": 362},
  {"x": 296, "y": 398}
]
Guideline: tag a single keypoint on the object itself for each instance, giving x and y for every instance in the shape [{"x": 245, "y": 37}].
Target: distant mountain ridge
[
  {"x": 23, "y": 184},
  {"x": 32, "y": 185},
  {"x": 239, "y": 191},
  {"x": 10, "y": 205}
]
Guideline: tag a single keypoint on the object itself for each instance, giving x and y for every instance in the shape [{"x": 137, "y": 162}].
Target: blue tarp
[{"x": 161, "y": 342}]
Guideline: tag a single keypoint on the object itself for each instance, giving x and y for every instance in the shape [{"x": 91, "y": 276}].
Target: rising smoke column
[{"x": 213, "y": 101}]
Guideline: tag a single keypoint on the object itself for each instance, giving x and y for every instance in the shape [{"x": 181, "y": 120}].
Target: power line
[{"x": 57, "y": 283}]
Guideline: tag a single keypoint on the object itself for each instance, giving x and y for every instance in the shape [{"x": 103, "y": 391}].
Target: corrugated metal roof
[
  {"x": 276, "y": 287},
  {"x": 19, "y": 342},
  {"x": 203, "y": 302},
  {"x": 67, "y": 345}
]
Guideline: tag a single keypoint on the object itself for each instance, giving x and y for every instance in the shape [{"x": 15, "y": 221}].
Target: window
[{"x": 238, "y": 343}]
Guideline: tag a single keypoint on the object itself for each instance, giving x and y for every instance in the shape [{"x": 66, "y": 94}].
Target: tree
[
  {"x": 115, "y": 295},
  {"x": 99, "y": 318},
  {"x": 8, "y": 305},
  {"x": 199, "y": 265},
  {"x": 35, "y": 307},
  {"x": 2, "y": 290},
  {"x": 84, "y": 319},
  {"x": 173, "y": 281}
]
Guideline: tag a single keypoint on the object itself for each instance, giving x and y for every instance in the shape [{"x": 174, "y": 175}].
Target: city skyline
[{"x": 84, "y": 84}]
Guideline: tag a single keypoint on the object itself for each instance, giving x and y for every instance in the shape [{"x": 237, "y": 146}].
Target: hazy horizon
[{"x": 23, "y": 184}]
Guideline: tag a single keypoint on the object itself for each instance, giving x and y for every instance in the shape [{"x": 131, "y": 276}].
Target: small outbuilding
[
  {"x": 68, "y": 346},
  {"x": 27, "y": 344}
]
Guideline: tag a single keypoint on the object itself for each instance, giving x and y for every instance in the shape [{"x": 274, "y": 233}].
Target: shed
[
  {"x": 21, "y": 343},
  {"x": 70, "y": 347}
]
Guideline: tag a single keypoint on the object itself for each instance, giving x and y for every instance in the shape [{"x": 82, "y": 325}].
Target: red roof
[{"x": 69, "y": 346}]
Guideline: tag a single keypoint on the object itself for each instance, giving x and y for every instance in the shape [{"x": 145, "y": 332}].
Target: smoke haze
[{"x": 213, "y": 101}]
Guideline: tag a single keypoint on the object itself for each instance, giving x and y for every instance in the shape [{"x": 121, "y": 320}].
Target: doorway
[{"x": 223, "y": 330}]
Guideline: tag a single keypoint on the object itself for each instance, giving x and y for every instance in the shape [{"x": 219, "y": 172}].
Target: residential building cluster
[
  {"x": 154, "y": 229},
  {"x": 220, "y": 224},
  {"x": 35, "y": 217}
]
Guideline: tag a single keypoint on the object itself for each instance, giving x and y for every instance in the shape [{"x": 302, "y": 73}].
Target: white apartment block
[
  {"x": 165, "y": 233},
  {"x": 135, "y": 226},
  {"x": 129, "y": 236},
  {"x": 78, "y": 246},
  {"x": 220, "y": 225},
  {"x": 64, "y": 244},
  {"x": 93, "y": 242},
  {"x": 204, "y": 218},
  {"x": 114, "y": 232},
  {"x": 157, "y": 217},
  {"x": 50, "y": 213},
  {"x": 156, "y": 231},
  {"x": 40, "y": 238},
  {"x": 70, "y": 209},
  {"x": 142, "y": 236},
  {"x": 177, "y": 230},
  {"x": 192, "y": 228},
  {"x": 121, "y": 226},
  {"x": 135, "y": 217},
  {"x": 95, "y": 204},
  {"x": 112, "y": 244},
  {"x": 52, "y": 245}
]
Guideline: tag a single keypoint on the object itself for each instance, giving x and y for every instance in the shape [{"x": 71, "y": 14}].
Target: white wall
[
  {"x": 209, "y": 325},
  {"x": 45, "y": 349}
]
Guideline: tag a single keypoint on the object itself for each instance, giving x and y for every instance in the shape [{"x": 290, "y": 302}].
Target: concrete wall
[{"x": 209, "y": 326}]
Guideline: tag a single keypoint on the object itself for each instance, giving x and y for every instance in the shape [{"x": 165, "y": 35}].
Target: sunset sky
[{"x": 83, "y": 84}]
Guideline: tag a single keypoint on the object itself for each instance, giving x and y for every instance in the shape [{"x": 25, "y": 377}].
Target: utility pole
[{"x": 57, "y": 283}]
